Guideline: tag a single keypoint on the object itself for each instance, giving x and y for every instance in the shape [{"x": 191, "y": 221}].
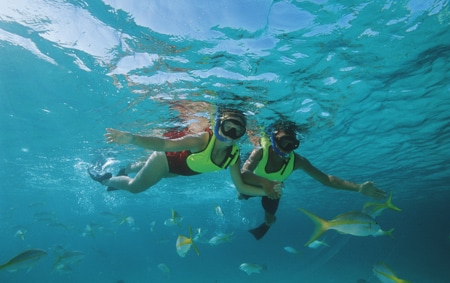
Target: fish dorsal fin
[
  {"x": 346, "y": 215},
  {"x": 352, "y": 217},
  {"x": 190, "y": 231}
]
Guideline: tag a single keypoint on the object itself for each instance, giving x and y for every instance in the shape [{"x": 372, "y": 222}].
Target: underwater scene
[{"x": 366, "y": 83}]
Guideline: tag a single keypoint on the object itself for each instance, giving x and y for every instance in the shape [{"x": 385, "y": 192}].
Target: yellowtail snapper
[
  {"x": 24, "y": 260},
  {"x": 353, "y": 223}
]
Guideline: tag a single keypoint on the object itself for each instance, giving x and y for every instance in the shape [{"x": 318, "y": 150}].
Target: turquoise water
[{"x": 370, "y": 82}]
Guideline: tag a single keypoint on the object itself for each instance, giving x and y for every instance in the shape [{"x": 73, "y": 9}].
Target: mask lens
[
  {"x": 232, "y": 128},
  {"x": 287, "y": 143}
]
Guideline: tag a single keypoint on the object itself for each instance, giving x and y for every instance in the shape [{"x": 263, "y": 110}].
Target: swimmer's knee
[
  {"x": 135, "y": 187},
  {"x": 134, "y": 191}
]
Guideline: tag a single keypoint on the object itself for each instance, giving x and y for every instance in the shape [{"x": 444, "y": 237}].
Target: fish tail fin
[
  {"x": 193, "y": 244},
  {"x": 389, "y": 233},
  {"x": 390, "y": 205},
  {"x": 321, "y": 225},
  {"x": 195, "y": 249}
]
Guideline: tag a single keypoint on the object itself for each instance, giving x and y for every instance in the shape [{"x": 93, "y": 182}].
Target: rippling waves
[{"x": 370, "y": 81}]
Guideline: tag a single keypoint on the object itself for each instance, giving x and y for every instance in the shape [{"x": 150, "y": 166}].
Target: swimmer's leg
[
  {"x": 129, "y": 169},
  {"x": 154, "y": 169},
  {"x": 270, "y": 208}
]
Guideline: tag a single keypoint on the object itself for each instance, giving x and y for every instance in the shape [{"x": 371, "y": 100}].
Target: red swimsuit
[{"x": 177, "y": 160}]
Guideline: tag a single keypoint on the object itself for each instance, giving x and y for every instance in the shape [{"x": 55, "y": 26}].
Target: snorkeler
[
  {"x": 208, "y": 151},
  {"x": 275, "y": 160}
]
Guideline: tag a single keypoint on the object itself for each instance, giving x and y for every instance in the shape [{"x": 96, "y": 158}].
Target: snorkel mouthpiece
[{"x": 275, "y": 147}]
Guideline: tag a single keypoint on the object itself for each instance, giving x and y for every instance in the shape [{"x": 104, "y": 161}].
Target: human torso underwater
[
  {"x": 275, "y": 162},
  {"x": 215, "y": 156},
  {"x": 274, "y": 167}
]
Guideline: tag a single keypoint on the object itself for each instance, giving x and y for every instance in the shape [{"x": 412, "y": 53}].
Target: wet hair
[
  {"x": 232, "y": 113},
  {"x": 289, "y": 127}
]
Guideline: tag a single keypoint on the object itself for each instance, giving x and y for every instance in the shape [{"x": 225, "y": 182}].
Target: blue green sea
[{"x": 368, "y": 80}]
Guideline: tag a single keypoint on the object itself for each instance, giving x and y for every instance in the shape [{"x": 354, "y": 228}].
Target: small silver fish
[
  {"x": 21, "y": 233},
  {"x": 218, "y": 211},
  {"x": 164, "y": 268},
  {"x": 66, "y": 259},
  {"x": 250, "y": 268},
  {"x": 221, "y": 238},
  {"x": 291, "y": 250},
  {"x": 386, "y": 275},
  {"x": 175, "y": 220},
  {"x": 316, "y": 244}
]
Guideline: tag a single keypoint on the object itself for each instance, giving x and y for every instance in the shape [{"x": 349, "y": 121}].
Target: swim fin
[
  {"x": 260, "y": 231},
  {"x": 98, "y": 177}
]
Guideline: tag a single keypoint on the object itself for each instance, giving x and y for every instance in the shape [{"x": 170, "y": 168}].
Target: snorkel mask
[
  {"x": 284, "y": 145},
  {"x": 231, "y": 127}
]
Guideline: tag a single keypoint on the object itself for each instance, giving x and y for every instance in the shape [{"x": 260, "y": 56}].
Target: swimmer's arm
[
  {"x": 250, "y": 165},
  {"x": 242, "y": 187},
  {"x": 189, "y": 142},
  {"x": 367, "y": 188},
  {"x": 252, "y": 179}
]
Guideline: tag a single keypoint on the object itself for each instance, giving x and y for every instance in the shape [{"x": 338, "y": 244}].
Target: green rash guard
[
  {"x": 201, "y": 161},
  {"x": 279, "y": 175}
]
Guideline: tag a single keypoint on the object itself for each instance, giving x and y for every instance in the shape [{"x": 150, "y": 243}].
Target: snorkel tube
[{"x": 216, "y": 131}]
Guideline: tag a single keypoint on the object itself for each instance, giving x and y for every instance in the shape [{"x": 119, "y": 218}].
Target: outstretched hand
[
  {"x": 119, "y": 137},
  {"x": 369, "y": 189}
]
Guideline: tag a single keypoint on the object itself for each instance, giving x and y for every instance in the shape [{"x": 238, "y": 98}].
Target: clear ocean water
[{"x": 369, "y": 79}]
